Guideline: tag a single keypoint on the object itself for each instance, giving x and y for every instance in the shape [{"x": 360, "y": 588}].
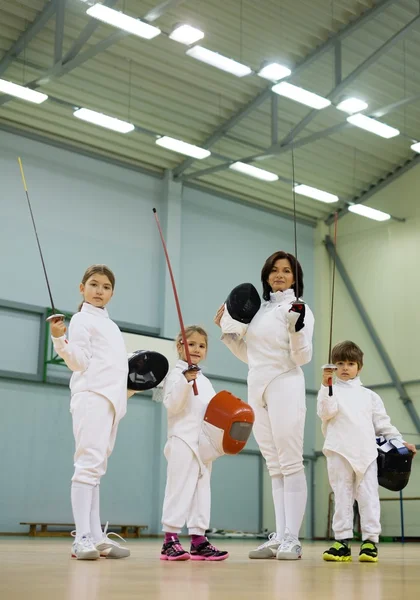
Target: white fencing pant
[
  {"x": 278, "y": 429},
  {"x": 279, "y": 425},
  {"x": 94, "y": 432},
  {"x": 343, "y": 482},
  {"x": 187, "y": 494}
]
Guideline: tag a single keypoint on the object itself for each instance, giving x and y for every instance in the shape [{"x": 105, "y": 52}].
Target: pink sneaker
[
  {"x": 173, "y": 551},
  {"x": 206, "y": 551}
]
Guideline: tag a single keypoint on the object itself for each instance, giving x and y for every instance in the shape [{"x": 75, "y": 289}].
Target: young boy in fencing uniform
[{"x": 352, "y": 417}]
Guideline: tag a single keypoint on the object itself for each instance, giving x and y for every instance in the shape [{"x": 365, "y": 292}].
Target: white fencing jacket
[
  {"x": 272, "y": 347},
  {"x": 352, "y": 418},
  {"x": 96, "y": 353},
  {"x": 186, "y": 411}
]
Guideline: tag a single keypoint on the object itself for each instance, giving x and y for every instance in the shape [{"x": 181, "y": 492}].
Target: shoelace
[
  {"x": 271, "y": 539},
  {"x": 106, "y": 535},
  {"x": 177, "y": 547}
]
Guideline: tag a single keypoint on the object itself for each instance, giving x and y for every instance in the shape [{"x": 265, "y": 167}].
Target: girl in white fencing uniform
[
  {"x": 352, "y": 418},
  {"x": 96, "y": 353},
  {"x": 187, "y": 493},
  {"x": 275, "y": 345}
]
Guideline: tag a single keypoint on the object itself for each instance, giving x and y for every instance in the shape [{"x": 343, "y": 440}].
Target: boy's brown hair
[{"x": 347, "y": 351}]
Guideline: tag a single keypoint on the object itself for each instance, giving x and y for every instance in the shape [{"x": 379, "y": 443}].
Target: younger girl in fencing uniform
[
  {"x": 187, "y": 493},
  {"x": 96, "y": 353}
]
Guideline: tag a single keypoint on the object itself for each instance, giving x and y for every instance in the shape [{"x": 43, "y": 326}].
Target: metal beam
[
  {"x": 86, "y": 34},
  {"x": 62, "y": 69},
  {"x": 274, "y": 119},
  {"x": 275, "y": 150},
  {"x": 381, "y": 112},
  {"x": 58, "y": 70},
  {"x": 404, "y": 397},
  {"x": 335, "y": 93},
  {"x": 337, "y": 90},
  {"x": 34, "y": 28},
  {"x": 59, "y": 30},
  {"x": 347, "y": 30},
  {"x": 374, "y": 188},
  {"x": 159, "y": 10},
  {"x": 338, "y": 64}
]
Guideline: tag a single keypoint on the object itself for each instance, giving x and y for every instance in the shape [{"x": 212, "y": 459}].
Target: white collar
[
  {"x": 285, "y": 297},
  {"x": 94, "y": 310},
  {"x": 351, "y": 383}
]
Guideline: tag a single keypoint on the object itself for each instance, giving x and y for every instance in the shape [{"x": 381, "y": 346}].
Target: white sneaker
[
  {"x": 83, "y": 547},
  {"x": 290, "y": 549},
  {"x": 110, "y": 548},
  {"x": 268, "y": 549}
]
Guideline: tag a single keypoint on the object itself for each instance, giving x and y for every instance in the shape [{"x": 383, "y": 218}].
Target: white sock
[
  {"x": 95, "y": 517},
  {"x": 81, "y": 503},
  {"x": 295, "y": 495},
  {"x": 277, "y": 485}
]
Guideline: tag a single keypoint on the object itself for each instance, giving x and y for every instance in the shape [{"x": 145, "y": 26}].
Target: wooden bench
[{"x": 126, "y": 531}]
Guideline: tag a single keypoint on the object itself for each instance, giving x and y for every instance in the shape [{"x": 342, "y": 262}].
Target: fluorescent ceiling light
[
  {"x": 416, "y": 147},
  {"x": 300, "y": 95},
  {"x": 311, "y": 192},
  {"x": 123, "y": 21},
  {"x": 254, "y": 171},
  {"x": 22, "y": 92},
  {"x": 218, "y": 60},
  {"x": 352, "y": 105},
  {"x": 373, "y": 126},
  {"x": 185, "y": 34},
  {"x": 274, "y": 71},
  {"x": 103, "y": 120},
  {"x": 370, "y": 213},
  {"x": 182, "y": 147}
]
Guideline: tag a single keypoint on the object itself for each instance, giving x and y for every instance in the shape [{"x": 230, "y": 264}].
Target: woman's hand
[
  {"x": 219, "y": 315},
  {"x": 58, "y": 328}
]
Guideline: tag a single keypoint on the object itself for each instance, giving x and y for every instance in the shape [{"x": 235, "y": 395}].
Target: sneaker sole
[
  {"x": 366, "y": 558},
  {"x": 88, "y": 556},
  {"x": 332, "y": 558},
  {"x": 288, "y": 556},
  {"x": 253, "y": 554},
  {"x": 185, "y": 556},
  {"x": 113, "y": 557},
  {"x": 211, "y": 559}
]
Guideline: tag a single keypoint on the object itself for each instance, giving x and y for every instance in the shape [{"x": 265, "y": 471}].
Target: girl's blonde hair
[
  {"x": 188, "y": 333},
  {"x": 98, "y": 270}
]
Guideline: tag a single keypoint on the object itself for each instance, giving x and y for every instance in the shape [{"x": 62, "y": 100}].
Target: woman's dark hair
[{"x": 268, "y": 267}]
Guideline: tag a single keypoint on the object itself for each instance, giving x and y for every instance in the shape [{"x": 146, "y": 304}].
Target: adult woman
[{"x": 278, "y": 341}]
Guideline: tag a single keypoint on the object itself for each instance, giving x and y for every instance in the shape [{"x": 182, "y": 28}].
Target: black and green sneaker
[
  {"x": 339, "y": 552},
  {"x": 368, "y": 552}
]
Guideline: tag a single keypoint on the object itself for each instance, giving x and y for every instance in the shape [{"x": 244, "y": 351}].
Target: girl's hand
[
  {"x": 219, "y": 315},
  {"x": 58, "y": 328},
  {"x": 191, "y": 374},
  {"x": 326, "y": 376},
  {"x": 411, "y": 447}
]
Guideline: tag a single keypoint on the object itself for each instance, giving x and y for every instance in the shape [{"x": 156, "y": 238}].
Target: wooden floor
[{"x": 40, "y": 569}]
